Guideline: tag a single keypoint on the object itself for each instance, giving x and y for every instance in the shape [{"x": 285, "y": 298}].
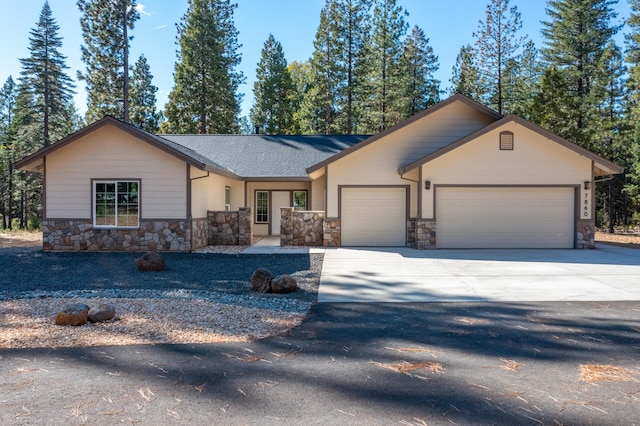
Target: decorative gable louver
[{"x": 506, "y": 141}]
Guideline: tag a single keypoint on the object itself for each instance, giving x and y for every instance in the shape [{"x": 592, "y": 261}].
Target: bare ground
[{"x": 30, "y": 323}]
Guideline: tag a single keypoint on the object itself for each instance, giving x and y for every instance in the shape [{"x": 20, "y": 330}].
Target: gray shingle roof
[{"x": 262, "y": 156}]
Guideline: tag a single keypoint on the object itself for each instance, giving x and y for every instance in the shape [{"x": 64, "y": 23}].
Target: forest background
[{"x": 318, "y": 66}]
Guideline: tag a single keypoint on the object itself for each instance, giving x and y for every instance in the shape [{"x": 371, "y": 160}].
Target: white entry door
[{"x": 279, "y": 199}]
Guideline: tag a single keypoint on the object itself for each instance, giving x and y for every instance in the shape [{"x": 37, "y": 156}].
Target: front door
[{"x": 278, "y": 199}]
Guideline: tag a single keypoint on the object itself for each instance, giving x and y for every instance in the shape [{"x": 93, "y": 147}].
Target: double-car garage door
[
  {"x": 505, "y": 217},
  {"x": 466, "y": 217}
]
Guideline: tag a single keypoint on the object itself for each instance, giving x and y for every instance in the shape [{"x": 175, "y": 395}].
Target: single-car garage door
[
  {"x": 505, "y": 217},
  {"x": 374, "y": 216}
]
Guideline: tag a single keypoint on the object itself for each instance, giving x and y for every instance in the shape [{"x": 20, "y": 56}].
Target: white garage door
[
  {"x": 374, "y": 217},
  {"x": 505, "y": 217}
]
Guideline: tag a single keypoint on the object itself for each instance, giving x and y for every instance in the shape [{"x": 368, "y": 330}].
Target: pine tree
[
  {"x": 632, "y": 110},
  {"x": 205, "y": 96},
  {"x": 608, "y": 128},
  {"x": 521, "y": 79},
  {"x": 418, "y": 65},
  {"x": 322, "y": 100},
  {"x": 575, "y": 39},
  {"x": 496, "y": 43},
  {"x": 8, "y": 99},
  {"x": 382, "y": 106},
  {"x": 143, "y": 98},
  {"x": 466, "y": 79},
  {"x": 273, "y": 91},
  {"x": 353, "y": 27},
  {"x": 105, "y": 25},
  {"x": 47, "y": 89}
]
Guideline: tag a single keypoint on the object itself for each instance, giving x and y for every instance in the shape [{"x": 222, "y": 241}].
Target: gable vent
[{"x": 506, "y": 141}]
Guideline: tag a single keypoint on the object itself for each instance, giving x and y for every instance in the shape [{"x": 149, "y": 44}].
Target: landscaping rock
[
  {"x": 284, "y": 284},
  {"x": 102, "y": 313},
  {"x": 261, "y": 280},
  {"x": 152, "y": 261},
  {"x": 76, "y": 314}
]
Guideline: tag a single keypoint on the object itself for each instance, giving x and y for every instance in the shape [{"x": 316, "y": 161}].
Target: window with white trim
[
  {"x": 116, "y": 204},
  {"x": 227, "y": 198},
  {"x": 300, "y": 200},
  {"x": 262, "y": 206}
]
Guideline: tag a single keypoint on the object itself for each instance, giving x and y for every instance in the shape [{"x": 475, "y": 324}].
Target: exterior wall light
[
  {"x": 587, "y": 184},
  {"x": 427, "y": 184}
]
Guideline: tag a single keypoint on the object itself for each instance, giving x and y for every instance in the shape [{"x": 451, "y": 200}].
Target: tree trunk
[
  {"x": 611, "y": 230},
  {"x": 125, "y": 88}
]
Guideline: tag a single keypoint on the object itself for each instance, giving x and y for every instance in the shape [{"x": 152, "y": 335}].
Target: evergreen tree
[
  {"x": 273, "y": 91},
  {"x": 418, "y": 65},
  {"x": 105, "y": 25},
  {"x": 48, "y": 89},
  {"x": 496, "y": 43},
  {"x": 466, "y": 79},
  {"x": 143, "y": 98},
  {"x": 608, "y": 129},
  {"x": 328, "y": 73},
  {"x": 521, "y": 80},
  {"x": 8, "y": 99},
  {"x": 632, "y": 110},
  {"x": 575, "y": 39},
  {"x": 353, "y": 28},
  {"x": 205, "y": 96},
  {"x": 382, "y": 106}
]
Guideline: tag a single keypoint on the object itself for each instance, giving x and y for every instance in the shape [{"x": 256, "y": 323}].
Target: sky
[{"x": 448, "y": 24}]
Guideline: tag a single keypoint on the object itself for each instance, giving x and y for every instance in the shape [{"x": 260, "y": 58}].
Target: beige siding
[
  {"x": 378, "y": 163},
  {"x": 317, "y": 194},
  {"x": 535, "y": 160},
  {"x": 208, "y": 193},
  {"x": 109, "y": 153}
]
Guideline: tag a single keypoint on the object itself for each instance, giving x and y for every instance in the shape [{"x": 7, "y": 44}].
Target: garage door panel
[
  {"x": 373, "y": 216},
  {"x": 505, "y": 217}
]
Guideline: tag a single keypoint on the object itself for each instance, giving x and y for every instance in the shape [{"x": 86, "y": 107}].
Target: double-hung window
[
  {"x": 262, "y": 206},
  {"x": 116, "y": 204}
]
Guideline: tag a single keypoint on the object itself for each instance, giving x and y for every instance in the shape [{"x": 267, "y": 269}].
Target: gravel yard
[{"x": 199, "y": 298}]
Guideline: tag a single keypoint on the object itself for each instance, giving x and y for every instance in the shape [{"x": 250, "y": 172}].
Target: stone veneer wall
[
  {"x": 230, "y": 228},
  {"x": 421, "y": 234},
  {"x": 301, "y": 228},
  {"x": 199, "y": 233},
  {"x": 585, "y": 234},
  {"x": 332, "y": 232},
  {"x": 80, "y": 235}
]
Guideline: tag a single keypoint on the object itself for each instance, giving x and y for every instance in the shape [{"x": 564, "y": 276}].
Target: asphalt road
[{"x": 455, "y": 363}]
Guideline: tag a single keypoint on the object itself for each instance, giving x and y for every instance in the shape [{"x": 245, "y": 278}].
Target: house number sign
[{"x": 585, "y": 208}]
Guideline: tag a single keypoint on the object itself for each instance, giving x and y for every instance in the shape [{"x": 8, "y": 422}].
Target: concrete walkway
[
  {"x": 406, "y": 275},
  {"x": 271, "y": 245}
]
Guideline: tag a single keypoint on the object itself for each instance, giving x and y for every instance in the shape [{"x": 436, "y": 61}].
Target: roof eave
[
  {"x": 455, "y": 98},
  {"x": 609, "y": 165},
  {"x": 276, "y": 178},
  {"x": 146, "y": 137}
]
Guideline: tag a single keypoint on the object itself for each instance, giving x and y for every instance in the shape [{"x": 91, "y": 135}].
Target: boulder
[
  {"x": 151, "y": 261},
  {"x": 75, "y": 314},
  {"x": 284, "y": 284},
  {"x": 102, "y": 313},
  {"x": 261, "y": 280}
]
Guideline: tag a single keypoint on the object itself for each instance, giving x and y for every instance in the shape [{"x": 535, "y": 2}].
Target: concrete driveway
[{"x": 608, "y": 273}]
